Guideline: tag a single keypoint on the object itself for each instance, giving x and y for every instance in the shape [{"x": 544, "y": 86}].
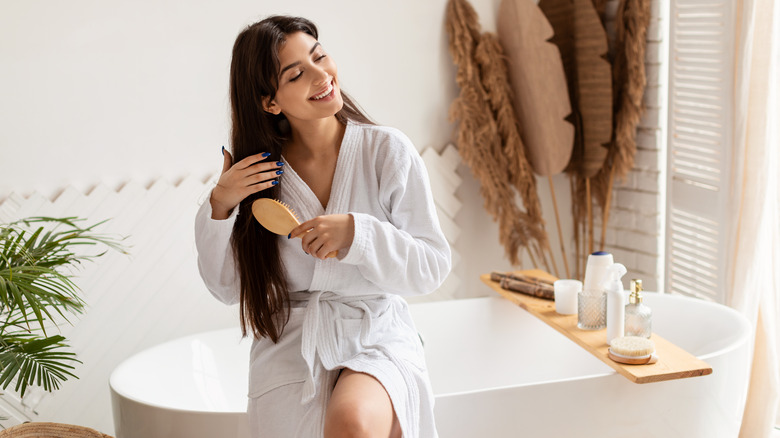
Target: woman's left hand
[{"x": 325, "y": 234}]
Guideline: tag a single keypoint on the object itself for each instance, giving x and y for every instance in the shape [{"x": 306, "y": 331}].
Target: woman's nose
[{"x": 322, "y": 76}]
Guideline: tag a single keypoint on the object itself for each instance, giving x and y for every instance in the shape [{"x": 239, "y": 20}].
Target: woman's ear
[{"x": 270, "y": 106}]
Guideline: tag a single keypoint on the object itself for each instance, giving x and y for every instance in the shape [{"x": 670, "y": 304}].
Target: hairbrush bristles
[{"x": 287, "y": 206}]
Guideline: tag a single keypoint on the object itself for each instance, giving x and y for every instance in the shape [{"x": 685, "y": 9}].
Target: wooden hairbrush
[{"x": 277, "y": 217}]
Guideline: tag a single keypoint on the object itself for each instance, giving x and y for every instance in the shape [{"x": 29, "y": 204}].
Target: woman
[{"x": 335, "y": 351}]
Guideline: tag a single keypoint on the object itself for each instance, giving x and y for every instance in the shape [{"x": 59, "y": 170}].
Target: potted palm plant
[{"x": 38, "y": 257}]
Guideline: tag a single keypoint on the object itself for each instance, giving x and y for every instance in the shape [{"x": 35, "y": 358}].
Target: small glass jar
[{"x": 591, "y": 310}]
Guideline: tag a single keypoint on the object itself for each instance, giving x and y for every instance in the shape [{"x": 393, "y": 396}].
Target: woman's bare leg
[{"x": 360, "y": 407}]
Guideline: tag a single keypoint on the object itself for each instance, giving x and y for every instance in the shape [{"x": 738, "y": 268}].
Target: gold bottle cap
[{"x": 636, "y": 292}]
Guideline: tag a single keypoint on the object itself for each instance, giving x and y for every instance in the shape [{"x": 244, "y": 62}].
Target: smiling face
[{"x": 308, "y": 81}]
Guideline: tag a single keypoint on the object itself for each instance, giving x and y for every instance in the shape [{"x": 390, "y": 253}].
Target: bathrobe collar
[{"x": 305, "y": 202}]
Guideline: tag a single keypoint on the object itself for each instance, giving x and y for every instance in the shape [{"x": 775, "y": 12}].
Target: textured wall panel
[
  {"x": 442, "y": 171},
  {"x": 133, "y": 301}
]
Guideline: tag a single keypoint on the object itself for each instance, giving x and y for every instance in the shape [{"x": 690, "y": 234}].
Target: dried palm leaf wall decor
[
  {"x": 628, "y": 85},
  {"x": 488, "y": 139},
  {"x": 594, "y": 87},
  {"x": 539, "y": 83},
  {"x": 483, "y": 133},
  {"x": 592, "y": 181},
  {"x": 560, "y": 14},
  {"x": 601, "y": 9},
  {"x": 582, "y": 40},
  {"x": 541, "y": 97}
]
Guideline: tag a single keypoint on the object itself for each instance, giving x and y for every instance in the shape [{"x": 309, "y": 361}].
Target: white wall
[{"x": 96, "y": 90}]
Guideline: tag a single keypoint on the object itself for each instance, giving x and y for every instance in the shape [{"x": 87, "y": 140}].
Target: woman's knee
[
  {"x": 354, "y": 419},
  {"x": 359, "y": 407}
]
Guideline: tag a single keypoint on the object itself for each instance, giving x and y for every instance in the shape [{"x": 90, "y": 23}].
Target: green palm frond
[
  {"x": 37, "y": 289},
  {"x": 38, "y": 258},
  {"x": 34, "y": 264},
  {"x": 34, "y": 360}
]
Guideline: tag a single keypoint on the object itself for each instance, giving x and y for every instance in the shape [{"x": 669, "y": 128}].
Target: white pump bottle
[{"x": 616, "y": 301}]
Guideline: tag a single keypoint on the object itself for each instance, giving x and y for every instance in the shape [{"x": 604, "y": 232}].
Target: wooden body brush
[
  {"x": 277, "y": 217},
  {"x": 632, "y": 350}
]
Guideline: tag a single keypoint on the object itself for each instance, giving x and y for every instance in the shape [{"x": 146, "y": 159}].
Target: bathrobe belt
[
  {"x": 320, "y": 337},
  {"x": 319, "y": 332}
]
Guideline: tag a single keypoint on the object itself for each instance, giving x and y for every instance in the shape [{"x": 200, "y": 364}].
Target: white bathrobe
[{"x": 346, "y": 312}]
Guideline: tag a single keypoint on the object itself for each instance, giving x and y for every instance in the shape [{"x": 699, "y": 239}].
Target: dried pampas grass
[
  {"x": 488, "y": 138},
  {"x": 628, "y": 81},
  {"x": 490, "y": 58}
]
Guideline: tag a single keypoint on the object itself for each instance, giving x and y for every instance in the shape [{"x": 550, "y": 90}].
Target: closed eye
[{"x": 317, "y": 59}]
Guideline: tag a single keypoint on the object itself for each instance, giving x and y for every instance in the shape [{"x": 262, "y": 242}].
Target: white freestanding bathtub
[{"x": 496, "y": 370}]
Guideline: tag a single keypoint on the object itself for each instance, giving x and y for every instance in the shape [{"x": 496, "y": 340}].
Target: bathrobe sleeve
[
  {"x": 216, "y": 263},
  {"x": 407, "y": 254}
]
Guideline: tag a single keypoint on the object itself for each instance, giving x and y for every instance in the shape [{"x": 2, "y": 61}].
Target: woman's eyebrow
[{"x": 313, "y": 48}]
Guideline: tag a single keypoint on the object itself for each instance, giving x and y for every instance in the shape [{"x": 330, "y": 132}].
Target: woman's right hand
[{"x": 240, "y": 180}]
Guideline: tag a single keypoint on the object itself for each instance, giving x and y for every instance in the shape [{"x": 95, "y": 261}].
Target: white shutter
[{"x": 701, "y": 64}]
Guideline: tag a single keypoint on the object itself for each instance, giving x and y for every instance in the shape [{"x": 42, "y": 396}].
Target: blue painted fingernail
[
  {"x": 279, "y": 163},
  {"x": 288, "y": 236},
  {"x": 279, "y": 172},
  {"x": 273, "y": 183},
  {"x": 266, "y": 154},
  {"x": 223, "y": 150}
]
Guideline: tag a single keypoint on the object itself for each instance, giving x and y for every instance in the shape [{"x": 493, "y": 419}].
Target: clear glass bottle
[{"x": 638, "y": 315}]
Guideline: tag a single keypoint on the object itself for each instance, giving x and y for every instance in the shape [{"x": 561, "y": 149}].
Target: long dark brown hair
[{"x": 254, "y": 70}]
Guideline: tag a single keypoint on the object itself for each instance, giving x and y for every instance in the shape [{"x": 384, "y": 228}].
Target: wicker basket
[{"x": 50, "y": 430}]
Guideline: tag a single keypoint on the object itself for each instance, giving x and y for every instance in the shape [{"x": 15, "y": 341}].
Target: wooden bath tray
[{"x": 673, "y": 361}]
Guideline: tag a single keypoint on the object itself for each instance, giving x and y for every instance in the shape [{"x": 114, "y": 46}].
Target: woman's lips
[{"x": 325, "y": 94}]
